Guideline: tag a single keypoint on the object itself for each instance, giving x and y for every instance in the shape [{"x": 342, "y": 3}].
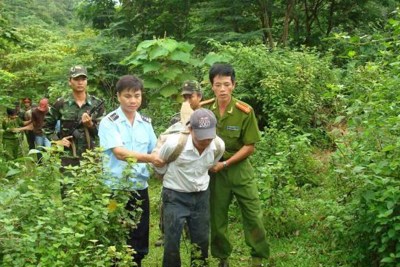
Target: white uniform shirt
[{"x": 189, "y": 172}]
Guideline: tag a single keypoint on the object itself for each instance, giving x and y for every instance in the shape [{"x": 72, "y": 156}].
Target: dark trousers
[
  {"x": 194, "y": 209},
  {"x": 139, "y": 237},
  {"x": 30, "y": 138}
]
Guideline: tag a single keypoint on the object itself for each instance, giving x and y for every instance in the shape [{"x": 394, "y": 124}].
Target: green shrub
[
  {"x": 85, "y": 228},
  {"x": 367, "y": 164},
  {"x": 284, "y": 165}
]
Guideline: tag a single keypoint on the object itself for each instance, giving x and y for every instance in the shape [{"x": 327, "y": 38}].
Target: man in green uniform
[
  {"x": 11, "y": 138},
  {"x": 233, "y": 176},
  {"x": 78, "y": 128}
]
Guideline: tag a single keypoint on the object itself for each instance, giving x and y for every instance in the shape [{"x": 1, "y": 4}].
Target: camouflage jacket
[{"x": 69, "y": 114}]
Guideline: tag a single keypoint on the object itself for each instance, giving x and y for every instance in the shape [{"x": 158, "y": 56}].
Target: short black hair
[
  {"x": 26, "y": 98},
  {"x": 11, "y": 111},
  {"x": 221, "y": 69},
  {"x": 129, "y": 82}
]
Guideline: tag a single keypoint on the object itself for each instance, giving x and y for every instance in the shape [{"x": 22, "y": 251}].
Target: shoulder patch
[
  {"x": 207, "y": 102},
  {"x": 243, "y": 107},
  {"x": 113, "y": 117},
  {"x": 59, "y": 103},
  {"x": 146, "y": 119}
]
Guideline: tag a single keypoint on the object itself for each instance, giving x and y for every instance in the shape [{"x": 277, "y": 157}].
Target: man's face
[
  {"x": 78, "y": 84},
  {"x": 130, "y": 100},
  {"x": 223, "y": 87},
  {"x": 194, "y": 100},
  {"x": 27, "y": 104},
  {"x": 200, "y": 144}
]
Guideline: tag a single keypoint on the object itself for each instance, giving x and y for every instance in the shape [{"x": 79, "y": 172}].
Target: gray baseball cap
[{"x": 203, "y": 123}]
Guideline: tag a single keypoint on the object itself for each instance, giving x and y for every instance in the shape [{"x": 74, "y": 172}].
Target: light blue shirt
[{"x": 116, "y": 131}]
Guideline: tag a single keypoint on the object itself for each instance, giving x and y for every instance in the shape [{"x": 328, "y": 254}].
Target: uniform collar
[
  {"x": 229, "y": 108},
  {"x": 71, "y": 100},
  {"x": 122, "y": 116}
]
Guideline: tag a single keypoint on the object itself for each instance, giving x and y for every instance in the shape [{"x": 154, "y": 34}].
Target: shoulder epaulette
[
  {"x": 113, "y": 117},
  {"x": 146, "y": 119},
  {"x": 207, "y": 102},
  {"x": 243, "y": 107},
  {"x": 59, "y": 103}
]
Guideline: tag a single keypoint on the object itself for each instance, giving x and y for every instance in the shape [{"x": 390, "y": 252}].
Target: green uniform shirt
[
  {"x": 69, "y": 114},
  {"x": 237, "y": 127},
  {"x": 8, "y": 124}
]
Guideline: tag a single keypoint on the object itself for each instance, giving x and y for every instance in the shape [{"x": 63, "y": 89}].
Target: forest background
[{"x": 322, "y": 76}]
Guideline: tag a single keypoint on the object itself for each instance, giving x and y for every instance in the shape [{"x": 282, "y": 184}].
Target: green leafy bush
[
  {"x": 284, "y": 165},
  {"x": 368, "y": 167},
  {"x": 165, "y": 64},
  {"x": 85, "y": 228},
  {"x": 283, "y": 84}
]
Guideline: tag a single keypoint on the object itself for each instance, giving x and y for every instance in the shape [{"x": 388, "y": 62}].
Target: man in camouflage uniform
[
  {"x": 233, "y": 176},
  {"x": 11, "y": 137},
  {"x": 78, "y": 129}
]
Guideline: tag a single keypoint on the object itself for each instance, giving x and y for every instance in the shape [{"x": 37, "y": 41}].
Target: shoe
[
  {"x": 159, "y": 242},
  {"x": 256, "y": 262},
  {"x": 223, "y": 263}
]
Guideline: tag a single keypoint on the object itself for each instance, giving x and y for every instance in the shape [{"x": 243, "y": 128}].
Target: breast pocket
[
  {"x": 142, "y": 141},
  {"x": 232, "y": 139}
]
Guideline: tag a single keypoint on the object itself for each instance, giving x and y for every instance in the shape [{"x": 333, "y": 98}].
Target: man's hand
[
  {"x": 217, "y": 167},
  {"x": 87, "y": 120},
  {"x": 157, "y": 161},
  {"x": 65, "y": 141}
]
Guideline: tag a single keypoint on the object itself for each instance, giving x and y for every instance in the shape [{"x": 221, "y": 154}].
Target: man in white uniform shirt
[{"x": 185, "y": 193}]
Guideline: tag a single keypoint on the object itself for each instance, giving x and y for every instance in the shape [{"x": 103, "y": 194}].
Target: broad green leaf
[
  {"x": 171, "y": 73},
  {"x": 181, "y": 56},
  {"x": 145, "y": 44},
  {"x": 158, "y": 52},
  {"x": 186, "y": 47},
  {"x": 12, "y": 172},
  {"x": 385, "y": 214},
  {"x": 151, "y": 66},
  {"x": 169, "y": 44},
  {"x": 152, "y": 83},
  {"x": 387, "y": 260},
  {"x": 212, "y": 57},
  {"x": 169, "y": 90}
]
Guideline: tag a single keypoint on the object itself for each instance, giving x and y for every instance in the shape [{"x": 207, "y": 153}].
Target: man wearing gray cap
[{"x": 186, "y": 193}]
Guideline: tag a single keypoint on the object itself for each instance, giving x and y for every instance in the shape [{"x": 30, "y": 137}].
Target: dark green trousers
[
  {"x": 236, "y": 181},
  {"x": 12, "y": 148}
]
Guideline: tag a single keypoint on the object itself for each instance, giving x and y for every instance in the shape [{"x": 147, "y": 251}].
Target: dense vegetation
[{"x": 322, "y": 76}]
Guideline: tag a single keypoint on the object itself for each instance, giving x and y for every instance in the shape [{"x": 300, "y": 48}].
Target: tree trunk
[
  {"x": 265, "y": 22},
  {"x": 330, "y": 18},
  {"x": 288, "y": 14}
]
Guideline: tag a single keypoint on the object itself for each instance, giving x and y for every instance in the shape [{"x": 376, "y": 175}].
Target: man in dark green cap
[
  {"x": 233, "y": 176},
  {"x": 72, "y": 112}
]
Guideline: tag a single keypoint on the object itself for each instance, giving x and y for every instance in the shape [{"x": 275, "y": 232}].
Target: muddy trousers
[{"x": 194, "y": 209}]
